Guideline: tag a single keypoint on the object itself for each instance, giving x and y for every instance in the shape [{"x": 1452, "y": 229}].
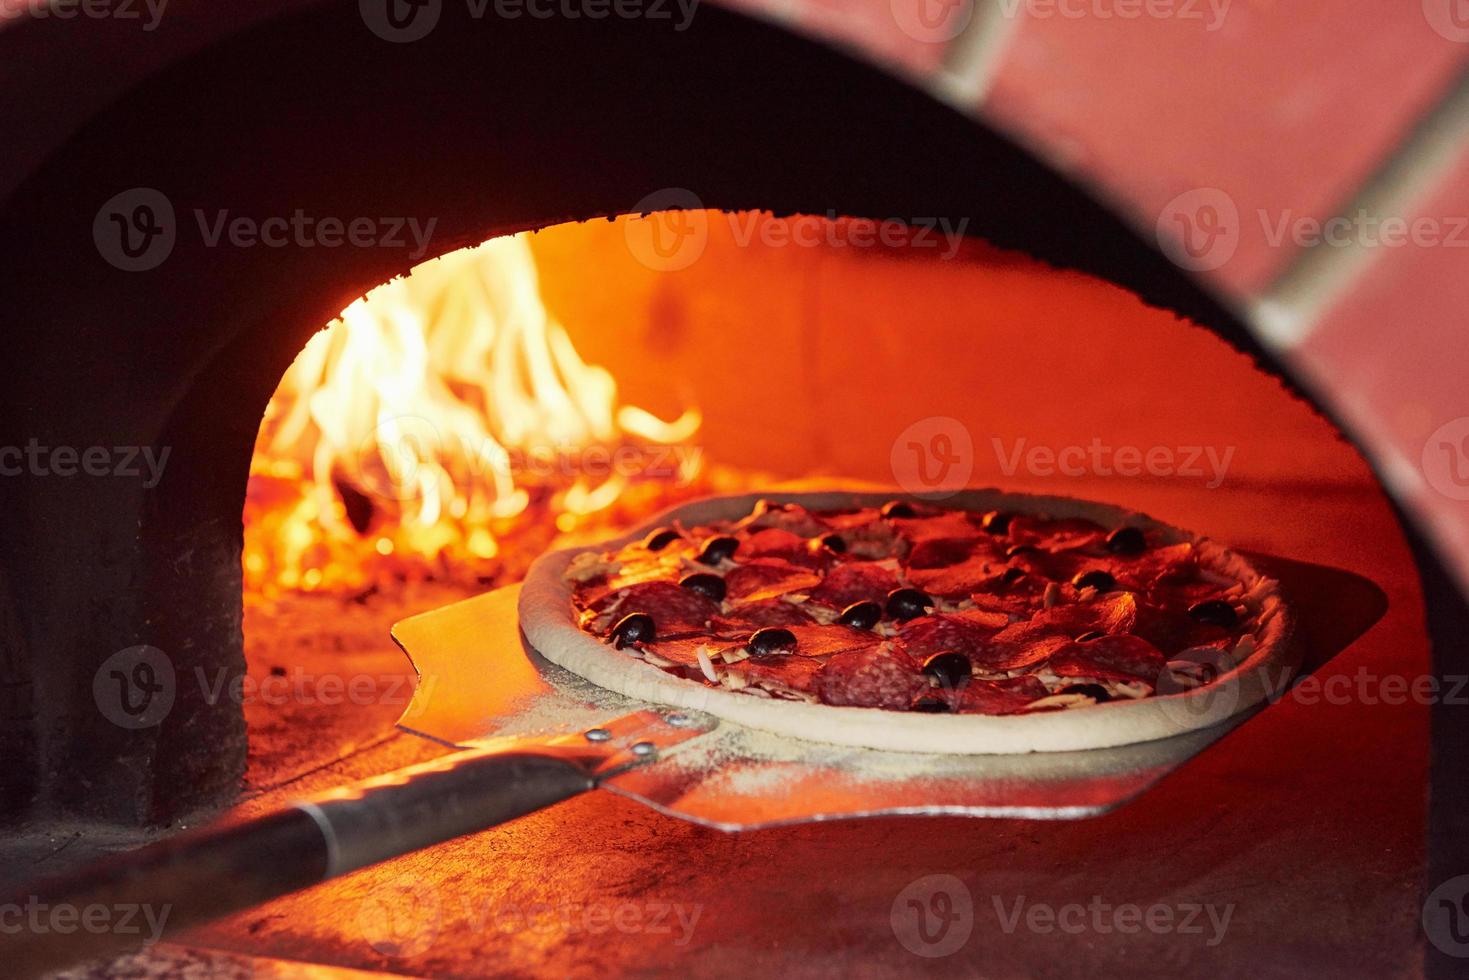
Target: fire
[{"x": 444, "y": 415}]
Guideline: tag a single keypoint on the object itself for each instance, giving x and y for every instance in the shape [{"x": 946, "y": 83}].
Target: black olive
[
  {"x": 709, "y": 586},
  {"x": 1215, "y": 612},
  {"x": 928, "y": 704},
  {"x": 633, "y": 628},
  {"x": 718, "y": 549},
  {"x": 1096, "y": 692},
  {"x": 996, "y": 522},
  {"x": 907, "y": 604},
  {"x": 771, "y": 640},
  {"x": 950, "y": 668},
  {"x": 1127, "y": 541},
  {"x": 1012, "y": 575},
  {"x": 833, "y": 542},
  {"x": 861, "y": 615},
  {"x": 660, "y": 539},
  {"x": 898, "y": 508},
  {"x": 1095, "y": 579},
  {"x": 1090, "y": 635},
  {"x": 1021, "y": 549}
]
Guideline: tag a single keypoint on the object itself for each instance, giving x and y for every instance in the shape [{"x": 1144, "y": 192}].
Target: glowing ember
[{"x": 443, "y": 417}]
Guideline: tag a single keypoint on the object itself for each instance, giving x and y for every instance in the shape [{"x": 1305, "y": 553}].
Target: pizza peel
[{"x": 529, "y": 734}]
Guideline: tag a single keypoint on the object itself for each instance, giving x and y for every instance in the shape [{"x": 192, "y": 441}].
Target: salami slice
[
  {"x": 982, "y": 571},
  {"x": 1113, "y": 658},
  {"x": 766, "y": 578},
  {"x": 961, "y": 632},
  {"x": 792, "y": 518},
  {"x": 876, "y": 677},
  {"x": 672, "y": 607},
  {"x": 1115, "y": 612},
  {"x": 1171, "y": 629},
  {"x": 855, "y": 581},
  {"x": 826, "y": 641},
  {"x": 780, "y": 673},
  {"x": 748, "y": 616},
  {"x": 1000, "y": 697},
  {"x": 1066, "y": 534},
  {"x": 774, "y": 542},
  {"x": 1019, "y": 646}
]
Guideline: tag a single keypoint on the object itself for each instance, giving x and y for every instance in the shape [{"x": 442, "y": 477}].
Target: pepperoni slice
[
  {"x": 672, "y": 607},
  {"x": 780, "y": 672},
  {"x": 749, "y": 616},
  {"x": 974, "y": 575},
  {"x": 792, "y": 518},
  {"x": 877, "y": 677},
  {"x": 765, "y": 578},
  {"x": 1160, "y": 566},
  {"x": 963, "y": 632},
  {"x": 1113, "y": 658},
  {"x": 1017, "y": 647},
  {"x": 999, "y": 697},
  {"x": 1115, "y": 612},
  {"x": 827, "y": 641},
  {"x": 774, "y": 542},
  {"x": 1056, "y": 534},
  {"x": 941, "y": 552},
  {"x": 1171, "y": 629},
  {"x": 855, "y": 581},
  {"x": 953, "y": 525},
  {"x": 874, "y": 539}
]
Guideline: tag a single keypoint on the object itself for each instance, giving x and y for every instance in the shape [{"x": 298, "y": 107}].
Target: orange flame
[{"x": 410, "y": 435}]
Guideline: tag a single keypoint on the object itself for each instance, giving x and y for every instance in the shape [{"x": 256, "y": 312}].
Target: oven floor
[{"x": 1304, "y": 827}]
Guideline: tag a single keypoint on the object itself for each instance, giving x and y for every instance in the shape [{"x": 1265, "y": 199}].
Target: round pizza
[{"x": 994, "y": 623}]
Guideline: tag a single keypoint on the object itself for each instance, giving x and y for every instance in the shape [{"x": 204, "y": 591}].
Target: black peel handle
[{"x": 222, "y": 868}]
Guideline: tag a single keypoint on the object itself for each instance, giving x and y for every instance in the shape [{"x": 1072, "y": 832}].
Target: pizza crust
[{"x": 549, "y": 623}]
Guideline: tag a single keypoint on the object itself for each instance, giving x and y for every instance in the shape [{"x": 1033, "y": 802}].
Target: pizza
[{"x": 991, "y": 623}]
